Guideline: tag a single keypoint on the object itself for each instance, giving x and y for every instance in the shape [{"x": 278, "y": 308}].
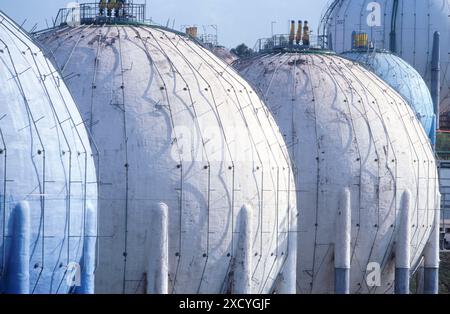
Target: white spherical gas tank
[
  {"x": 357, "y": 148},
  {"x": 405, "y": 80},
  {"x": 177, "y": 126},
  {"x": 48, "y": 183},
  {"x": 401, "y": 26}
]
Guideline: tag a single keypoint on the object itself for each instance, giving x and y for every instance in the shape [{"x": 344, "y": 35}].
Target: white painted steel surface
[
  {"x": 414, "y": 24},
  {"x": 346, "y": 128},
  {"x": 46, "y": 163},
  {"x": 174, "y": 124}
]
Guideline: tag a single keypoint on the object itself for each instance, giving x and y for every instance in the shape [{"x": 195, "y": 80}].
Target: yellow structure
[
  {"x": 360, "y": 40},
  {"x": 112, "y": 4},
  {"x": 298, "y": 38},
  {"x": 306, "y": 34},
  {"x": 292, "y": 33}
]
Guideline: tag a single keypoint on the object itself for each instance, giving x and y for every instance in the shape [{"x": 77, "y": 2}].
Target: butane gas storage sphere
[
  {"x": 409, "y": 25},
  {"x": 175, "y": 125},
  {"x": 47, "y": 176},
  {"x": 404, "y": 79},
  {"x": 354, "y": 142}
]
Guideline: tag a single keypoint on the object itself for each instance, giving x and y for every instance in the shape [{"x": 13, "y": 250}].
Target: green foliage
[{"x": 242, "y": 51}]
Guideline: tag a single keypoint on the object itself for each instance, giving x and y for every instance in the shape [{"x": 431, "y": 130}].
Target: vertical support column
[
  {"x": 342, "y": 246},
  {"x": 402, "y": 252},
  {"x": 393, "y": 33},
  {"x": 329, "y": 42},
  {"x": 431, "y": 258},
  {"x": 292, "y": 34},
  {"x": 436, "y": 77},
  {"x": 288, "y": 276},
  {"x": 158, "y": 265},
  {"x": 18, "y": 269},
  {"x": 89, "y": 253},
  {"x": 420, "y": 278},
  {"x": 242, "y": 275}
]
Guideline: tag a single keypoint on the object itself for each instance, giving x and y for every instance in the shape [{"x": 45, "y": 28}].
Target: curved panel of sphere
[
  {"x": 347, "y": 129},
  {"x": 176, "y": 125},
  {"x": 47, "y": 172},
  {"x": 414, "y": 24},
  {"x": 404, "y": 79}
]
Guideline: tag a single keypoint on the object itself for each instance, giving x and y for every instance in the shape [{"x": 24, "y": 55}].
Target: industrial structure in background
[
  {"x": 199, "y": 185},
  {"x": 211, "y": 42},
  {"x": 417, "y": 32},
  {"x": 404, "y": 79},
  {"x": 399, "y": 26},
  {"x": 373, "y": 195},
  {"x": 48, "y": 195},
  {"x": 197, "y": 192},
  {"x": 298, "y": 38}
]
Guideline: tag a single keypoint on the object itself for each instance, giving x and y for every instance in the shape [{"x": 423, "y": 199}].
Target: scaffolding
[
  {"x": 281, "y": 42},
  {"x": 98, "y": 13}
]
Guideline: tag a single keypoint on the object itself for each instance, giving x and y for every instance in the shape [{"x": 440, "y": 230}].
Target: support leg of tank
[
  {"x": 158, "y": 268},
  {"x": 89, "y": 254},
  {"x": 402, "y": 251},
  {"x": 242, "y": 273},
  {"x": 288, "y": 276},
  {"x": 18, "y": 268},
  {"x": 342, "y": 246},
  {"x": 420, "y": 278},
  {"x": 431, "y": 261}
]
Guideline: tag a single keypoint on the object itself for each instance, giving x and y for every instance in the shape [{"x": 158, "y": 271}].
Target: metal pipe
[
  {"x": 393, "y": 33},
  {"x": 298, "y": 37},
  {"x": 436, "y": 76},
  {"x": 306, "y": 34},
  {"x": 420, "y": 278},
  {"x": 158, "y": 269},
  {"x": 342, "y": 248},
  {"x": 431, "y": 256},
  {"x": 288, "y": 276},
  {"x": 292, "y": 33},
  {"x": 330, "y": 41},
  {"x": 89, "y": 251},
  {"x": 18, "y": 269},
  {"x": 243, "y": 261},
  {"x": 402, "y": 252}
]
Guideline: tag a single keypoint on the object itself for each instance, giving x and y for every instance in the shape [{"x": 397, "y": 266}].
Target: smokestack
[
  {"x": 306, "y": 34},
  {"x": 298, "y": 38},
  {"x": 292, "y": 33}
]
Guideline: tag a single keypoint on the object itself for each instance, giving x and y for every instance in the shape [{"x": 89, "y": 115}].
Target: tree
[{"x": 242, "y": 51}]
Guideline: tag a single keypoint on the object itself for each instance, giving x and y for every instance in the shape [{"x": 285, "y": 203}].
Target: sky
[{"x": 238, "y": 21}]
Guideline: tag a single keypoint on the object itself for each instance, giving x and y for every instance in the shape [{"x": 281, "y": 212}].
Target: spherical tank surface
[
  {"x": 403, "y": 27},
  {"x": 176, "y": 125},
  {"x": 348, "y": 133},
  {"x": 405, "y": 80},
  {"x": 48, "y": 177}
]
